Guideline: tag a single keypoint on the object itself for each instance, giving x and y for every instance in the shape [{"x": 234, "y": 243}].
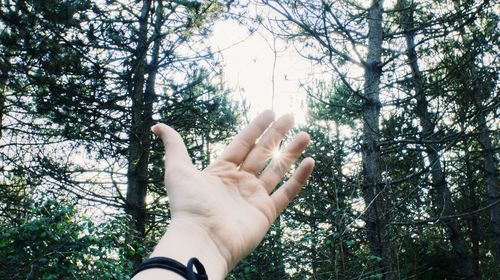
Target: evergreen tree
[{"x": 93, "y": 77}]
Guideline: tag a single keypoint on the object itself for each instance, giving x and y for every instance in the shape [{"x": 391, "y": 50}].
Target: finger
[
  {"x": 175, "y": 150},
  {"x": 245, "y": 140},
  {"x": 263, "y": 150},
  {"x": 291, "y": 188},
  {"x": 280, "y": 165}
]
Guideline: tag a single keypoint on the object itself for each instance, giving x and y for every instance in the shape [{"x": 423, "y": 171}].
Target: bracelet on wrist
[{"x": 175, "y": 266}]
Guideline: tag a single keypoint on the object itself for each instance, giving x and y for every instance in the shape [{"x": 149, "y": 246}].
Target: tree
[
  {"x": 85, "y": 76},
  {"x": 408, "y": 114},
  {"x": 46, "y": 238},
  {"x": 323, "y": 23},
  {"x": 484, "y": 82},
  {"x": 442, "y": 197}
]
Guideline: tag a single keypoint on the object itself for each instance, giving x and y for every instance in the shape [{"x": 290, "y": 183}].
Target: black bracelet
[{"x": 175, "y": 266}]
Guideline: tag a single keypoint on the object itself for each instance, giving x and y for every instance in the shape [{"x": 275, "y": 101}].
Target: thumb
[{"x": 175, "y": 149}]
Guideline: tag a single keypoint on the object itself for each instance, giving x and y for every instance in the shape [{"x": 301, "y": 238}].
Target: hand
[{"x": 227, "y": 208}]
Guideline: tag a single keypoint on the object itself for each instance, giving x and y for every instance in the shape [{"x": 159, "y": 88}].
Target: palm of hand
[
  {"x": 231, "y": 206},
  {"x": 230, "y": 200}
]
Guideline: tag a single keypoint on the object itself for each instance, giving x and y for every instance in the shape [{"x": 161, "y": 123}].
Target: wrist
[{"x": 185, "y": 240}]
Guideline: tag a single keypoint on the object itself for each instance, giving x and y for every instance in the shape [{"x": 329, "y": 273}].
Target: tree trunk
[
  {"x": 374, "y": 215},
  {"x": 139, "y": 141},
  {"x": 490, "y": 168},
  {"x": 4, "y": 76},
  {"x": 2, "y": 106},
  {"x": 473, "y": 219},
  {"x": 442, "y": 197},
  {"x": 489, "y": 162}
]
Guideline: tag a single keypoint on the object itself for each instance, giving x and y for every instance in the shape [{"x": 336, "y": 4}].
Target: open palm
[{"x": 234, "y": 200}]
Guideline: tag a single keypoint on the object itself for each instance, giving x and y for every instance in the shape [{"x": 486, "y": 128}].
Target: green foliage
[
  {"x": 335, "y": 101},
  {"x": 267, "y": 261},
  {"x": 202, "y": 112},
  {"x": 52, "y": 241},
  {"x": 91, "y": 77}
]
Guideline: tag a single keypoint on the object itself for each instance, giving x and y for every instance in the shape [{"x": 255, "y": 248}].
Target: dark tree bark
[
  {"x": 372, "y": 190},
  {"x": 479, "y": 93},
  {"x": 473, "y": 219},
  {"x": 4, "y": 76},
  {"x": 139, "y": 137},
  {"x": 489, "y": 166},
  {"x": 442, "y": 197}
]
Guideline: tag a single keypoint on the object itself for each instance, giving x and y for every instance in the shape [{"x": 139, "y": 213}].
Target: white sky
[{"x": 248, "y": 70}]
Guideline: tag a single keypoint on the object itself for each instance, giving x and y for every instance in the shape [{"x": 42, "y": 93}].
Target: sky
[{"x": 249, "y": 61}]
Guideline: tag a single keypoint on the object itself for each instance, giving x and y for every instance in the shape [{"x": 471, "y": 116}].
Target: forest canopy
[{"x": 403, "y": 121}]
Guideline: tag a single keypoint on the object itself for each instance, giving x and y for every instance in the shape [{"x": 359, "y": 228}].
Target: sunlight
[
  {"x": 276, "y": 154},
  {"x": 249, "y": 71}
]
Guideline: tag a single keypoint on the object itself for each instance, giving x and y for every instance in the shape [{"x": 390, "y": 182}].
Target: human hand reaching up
[{"x": 220, "y": 214}]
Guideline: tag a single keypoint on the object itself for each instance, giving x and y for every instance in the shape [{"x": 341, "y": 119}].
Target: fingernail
[{"x": 153, "y": 128}]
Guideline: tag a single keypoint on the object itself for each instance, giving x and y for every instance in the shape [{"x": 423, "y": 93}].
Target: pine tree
[{"x": 93, "y": 77}]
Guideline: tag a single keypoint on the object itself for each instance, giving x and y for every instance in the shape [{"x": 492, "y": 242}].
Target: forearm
[{"x": 181, "y": 242}]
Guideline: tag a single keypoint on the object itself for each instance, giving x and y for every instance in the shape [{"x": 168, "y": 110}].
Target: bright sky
[{"x": 248, "y": 69}]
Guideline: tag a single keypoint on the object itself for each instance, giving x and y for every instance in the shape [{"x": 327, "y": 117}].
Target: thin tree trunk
[
  {"x": 4, "y": 76},
  {"x": 442, "y": 197},
  {"x": 490, "y": 169},
  {"x": 140, "y": 141},
  {"x": 473, "y": 219},
  {"x": 2, "y": 106},
  {"x": 489, "y": 161},
  {"x": 374, "y": 216}
]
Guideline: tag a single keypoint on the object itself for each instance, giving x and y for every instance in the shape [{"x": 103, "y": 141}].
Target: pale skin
[{"x": 220, "y": 214}]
